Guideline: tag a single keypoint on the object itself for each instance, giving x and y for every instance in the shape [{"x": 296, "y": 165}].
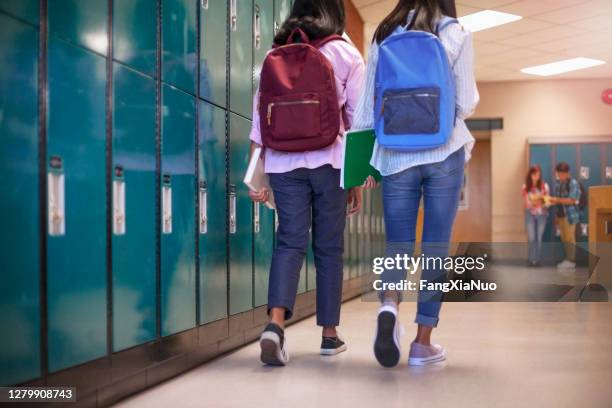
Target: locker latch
[
  {"x": 257, "y": 28},
  {"x": 56, "y": 197},
  {"x": 233, "y": 15},
  {"x": 584, "y": 229},
  {"x": 256, "y": 223},
  {"x": 119, "y": 220},
  {"x": 204, "y": 4},
  {"x": 203, "y": 196},
  {"x": 166, "y": 204},
  {"x": 232, "y": 209}
]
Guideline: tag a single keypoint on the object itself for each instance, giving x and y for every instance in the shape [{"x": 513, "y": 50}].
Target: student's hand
[
  {"x": 354, "y": 201},
  {"x": 259, "y": 196},
  {"x": 370, "y": 183}
]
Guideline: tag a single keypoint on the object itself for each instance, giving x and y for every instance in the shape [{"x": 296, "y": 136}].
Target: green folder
[{"x": 356, "y": 154}]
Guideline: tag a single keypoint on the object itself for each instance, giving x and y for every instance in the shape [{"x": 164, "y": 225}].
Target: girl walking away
[
  {"x": 310, "y": 84},
  {"x": 535, "y": 194},
  {"x": 419, "y": 88}
]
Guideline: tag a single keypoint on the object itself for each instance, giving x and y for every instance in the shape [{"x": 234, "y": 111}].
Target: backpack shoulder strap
[
  {"x": 445, "y": 22},
  {"x": 325, "y": 40}
]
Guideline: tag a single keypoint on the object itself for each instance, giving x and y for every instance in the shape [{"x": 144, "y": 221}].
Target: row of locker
[
  {"x": 161, "y": 193},
  {"x": 590, "y": 164}
]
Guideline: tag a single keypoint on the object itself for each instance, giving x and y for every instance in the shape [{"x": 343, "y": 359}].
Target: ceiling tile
[
  {"x": 538, "y": 37},
  {"x": 528, "y": 8}
]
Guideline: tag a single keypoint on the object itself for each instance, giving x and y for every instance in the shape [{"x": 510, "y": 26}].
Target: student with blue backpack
[{"x": 419, "y": 89}]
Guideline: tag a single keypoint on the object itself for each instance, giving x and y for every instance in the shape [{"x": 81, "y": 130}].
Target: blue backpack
[{"x": 415, "y": 91}]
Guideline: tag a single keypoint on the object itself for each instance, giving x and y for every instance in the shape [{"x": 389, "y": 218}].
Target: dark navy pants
[{"x": 305, "y": 198}]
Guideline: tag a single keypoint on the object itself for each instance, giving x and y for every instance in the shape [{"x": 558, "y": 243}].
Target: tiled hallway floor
[{"x": 499, "y": 355}]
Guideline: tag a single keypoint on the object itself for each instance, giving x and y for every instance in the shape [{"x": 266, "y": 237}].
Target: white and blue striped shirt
[{"x": 460, "y": 51}]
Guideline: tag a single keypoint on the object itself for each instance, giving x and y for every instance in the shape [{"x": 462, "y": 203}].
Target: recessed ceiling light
[
  {"x": 487, "y": 19},
  {"x": 561, "y": 67}
]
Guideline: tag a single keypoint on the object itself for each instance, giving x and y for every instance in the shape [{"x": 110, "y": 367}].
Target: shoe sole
[
  {"x": 333, "y": 352},
  {"x": 270, "y": 350},
  {"x": 386, "y": 351},
  {"x": 423, "y": 361}
]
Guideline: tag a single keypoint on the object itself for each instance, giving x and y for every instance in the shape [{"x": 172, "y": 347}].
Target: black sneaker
[
  {"x": 387, "y": 344},
  {"x": 330, "y": 346},
  {"x": 272, "y": 343}
]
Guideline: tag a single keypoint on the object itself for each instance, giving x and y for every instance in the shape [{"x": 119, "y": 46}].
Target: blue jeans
[
  {"x": 535, "y": 224},
  {"x": 440, "y": 186},
  {"x": 301, "y": 195}
]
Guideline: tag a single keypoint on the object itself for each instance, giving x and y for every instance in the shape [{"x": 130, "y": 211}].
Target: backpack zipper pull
[{"x": 270, "y": 114}]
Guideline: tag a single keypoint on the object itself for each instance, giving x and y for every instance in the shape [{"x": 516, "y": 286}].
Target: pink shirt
[{"x": 349, "y": 71}]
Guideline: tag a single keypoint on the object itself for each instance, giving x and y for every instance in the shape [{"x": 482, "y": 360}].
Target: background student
[
  {"x": 306, "y": 183},
  {"x": 434, "y": 174},
  {"x": 567, "y": 198},
  {"x": 535, "y": 190}
]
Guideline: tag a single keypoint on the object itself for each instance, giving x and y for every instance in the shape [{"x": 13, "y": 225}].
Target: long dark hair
[
  {"x": 529, "y": 183},
  {"x": 426, "y": 13},
  {"x": 317, "y": 18}
]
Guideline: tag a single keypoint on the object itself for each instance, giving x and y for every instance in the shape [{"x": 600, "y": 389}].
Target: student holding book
[
  {"x": 309, "y": 88},
  {"x": 419, "y": 88}
]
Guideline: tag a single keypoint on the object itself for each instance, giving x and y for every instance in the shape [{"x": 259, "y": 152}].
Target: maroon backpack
[{"x": 298, "y": 103}]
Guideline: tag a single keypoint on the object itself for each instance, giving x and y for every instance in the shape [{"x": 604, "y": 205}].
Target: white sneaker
[
  {"x": 421, "y": 355},
  {"x": 566, "y": 264},
  {"x": 273, "y": 346},
  {"x": 387, "y": 343}
]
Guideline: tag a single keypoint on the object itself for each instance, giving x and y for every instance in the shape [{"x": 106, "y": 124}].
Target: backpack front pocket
[
  {"x": 294, "y": 118},
  {"x": 411, "y": 111}
]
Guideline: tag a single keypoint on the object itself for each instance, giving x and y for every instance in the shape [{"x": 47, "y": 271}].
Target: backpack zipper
[
  {"x": 406, "y": 95},
  {"x": 273, "y": 104}
]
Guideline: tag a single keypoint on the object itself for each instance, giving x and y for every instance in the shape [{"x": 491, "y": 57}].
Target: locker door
[
  {"x": 82, "y": 22},
  {"x": 347, "y": 251},
  {"x": 179, "y": 54},
  {"x": 567, "y": 153},
  {"x": 241, "y": 208},
  {"x": 76, "y": 244},
  {"x": 367, "y": 253},
  {"x": 25, "y": 9},
  {"x": 589, "y": 174},
  {"x": 264, "y": 36},
  {"x": 608, "y": 163},
  {"x": 135, "y": 34},
  {"x": 212, "y": 228},
  {"x": 241, "y": 57},
  {"x": 213, "y": 52},
  {"x": 263, "y": 229},
  {"x": 282, "y": 9},
  {"x": 354, "y": 247},
  {"x": 134, "y": 219},
  {"x": 178, "y": 212},
  {"x": 542, "y": 155},
  {"x": 19, "y": 259}
]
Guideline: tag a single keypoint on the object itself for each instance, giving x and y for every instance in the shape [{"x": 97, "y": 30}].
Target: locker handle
[
  {"x": 56, "y": 199},
  {"x": 167, "y": 206},
  {"x": 203, "y": 210},
  {"x": 233, "y": 15},
  {"x": 119, "y": 217},
  {"x": 257, "y": 28},
  {"x": 232, "y": 210},
  {"x": 204, "y": 4},
  {"x": 256, "y": 218}
]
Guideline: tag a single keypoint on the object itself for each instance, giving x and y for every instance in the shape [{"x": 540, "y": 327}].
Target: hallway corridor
[{"x": 500, "y": 355}]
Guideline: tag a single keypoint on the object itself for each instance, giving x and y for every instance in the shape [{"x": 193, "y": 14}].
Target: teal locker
[
  {"x": 135, "y": 34},
  {"x": 355, "y": 245},
  {"x": 241, "y": 208},
  {"x": 179, "y": 54},
  {"x": 241, "y": 57},
  {"x": 212, "y": 213},
  {"x": 178, "y": 199},
  {"x": 282, "y": 9},
  {"x": 27, "y": 10},
  {"x": 264, "y": 36},
  {"x": 590, "y": 174},
  {"x": 608, "y": 163},
  {"x": 263, "y": 228},
  {"x": 134, "y": 219},
  {"x": 347, "y": 251},
  {"x": 213, "y": 51},
  {"x": 76, "y": 244},
  {"x": 306, "y": 269},
  {"x": 567, "y": 153},
  {"x": 19, "y": 260},
  {"x": 82, "y": 22},
  {"x": 311, "y": 270}
]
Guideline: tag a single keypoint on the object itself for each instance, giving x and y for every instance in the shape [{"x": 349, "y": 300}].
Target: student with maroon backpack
[{"x": 310, "y": 84}]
